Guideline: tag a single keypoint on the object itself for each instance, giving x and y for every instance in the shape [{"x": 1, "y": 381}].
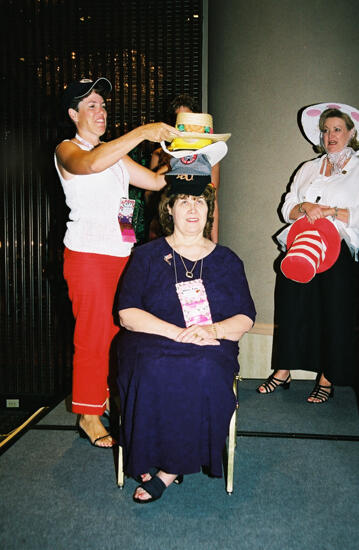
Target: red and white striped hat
[{"x": 312, "y": 248}]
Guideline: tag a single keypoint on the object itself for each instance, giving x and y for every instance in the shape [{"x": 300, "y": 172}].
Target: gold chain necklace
[{"x": 189, "y": 272}]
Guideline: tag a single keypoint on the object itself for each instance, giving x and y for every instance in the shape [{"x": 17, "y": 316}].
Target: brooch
[{"x": 168, "y": 259}]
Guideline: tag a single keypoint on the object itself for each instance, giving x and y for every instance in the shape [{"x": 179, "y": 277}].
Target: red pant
[{"x": 92, "y": 280}]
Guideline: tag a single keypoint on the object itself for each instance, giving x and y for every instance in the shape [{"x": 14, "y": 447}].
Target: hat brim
[
  {"x": 310, "y": 118},
  {"x": 214, "y": 152},
  {"x": 195, "y": 187},
  {"x": 328, "y": 233},
  {"x": 199, "y": 135}
]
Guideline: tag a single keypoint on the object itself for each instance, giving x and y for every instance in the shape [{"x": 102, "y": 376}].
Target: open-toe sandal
[
  {"x": 152, "y": 472},
  {"x": 322, "y": 393},
  {"x": 154, "y": 487},
  {"x": 84, "y": 435},
  {"x": 272, "y": 383}
]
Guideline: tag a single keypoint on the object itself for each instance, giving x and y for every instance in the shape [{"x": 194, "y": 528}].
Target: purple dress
[{"x": 177, "y": 399}]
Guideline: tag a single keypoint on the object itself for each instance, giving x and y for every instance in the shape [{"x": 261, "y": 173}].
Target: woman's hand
[
  {"x": 201, "y": 335},
  {"x": 312, "y": 210},
  {"x": 158, "y": 131}
]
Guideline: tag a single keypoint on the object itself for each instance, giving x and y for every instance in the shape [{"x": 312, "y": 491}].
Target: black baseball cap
[
  {"x": 189, "y": 175},
  {"x": 80, "y": 88}
]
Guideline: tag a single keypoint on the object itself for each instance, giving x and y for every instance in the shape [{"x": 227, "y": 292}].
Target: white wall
[{"x": 266, "y": 60}]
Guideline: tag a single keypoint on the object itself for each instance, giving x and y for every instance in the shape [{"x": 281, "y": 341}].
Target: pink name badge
[
  {"x": 125, "y": 215},
  {"x": 193, "y": 298}
]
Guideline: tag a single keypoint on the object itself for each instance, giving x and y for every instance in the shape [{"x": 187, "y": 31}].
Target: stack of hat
[
  {"x": 194, "y": 153},
  {"x": 312, "y": 248}
]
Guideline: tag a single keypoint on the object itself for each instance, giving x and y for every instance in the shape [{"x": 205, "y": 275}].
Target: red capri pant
[{"x": 92, "y": 281}]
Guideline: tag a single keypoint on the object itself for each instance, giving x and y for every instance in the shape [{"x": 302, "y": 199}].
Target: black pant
[{"x": 316, "y": 322}]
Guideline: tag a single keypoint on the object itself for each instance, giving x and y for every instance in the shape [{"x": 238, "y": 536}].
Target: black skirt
[{"x": 316, "y": 322}]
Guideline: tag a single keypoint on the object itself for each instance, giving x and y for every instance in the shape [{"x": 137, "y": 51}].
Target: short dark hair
[
  {"x": 181, "y": 100},
  {"x": 77, "y": 100},
  {"x": 168, "y": 199}
]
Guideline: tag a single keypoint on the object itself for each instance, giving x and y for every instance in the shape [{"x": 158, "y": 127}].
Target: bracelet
[
  {"x": 223, "y": 335},
  {"x": 301, "y": 209},
  {"x": 336, "y": 210},
  {"x": 214, "y": 330}
]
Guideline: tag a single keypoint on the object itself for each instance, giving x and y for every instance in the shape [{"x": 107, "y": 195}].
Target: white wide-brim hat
[
  {"x": 214, "y": 152},
  {"x": 311, "y": 116}
]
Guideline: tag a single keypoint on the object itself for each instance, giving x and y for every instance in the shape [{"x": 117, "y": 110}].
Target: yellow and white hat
[{"x": 196, "y": 132}]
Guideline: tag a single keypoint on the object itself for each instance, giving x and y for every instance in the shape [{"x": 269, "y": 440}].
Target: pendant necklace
[{"x": 189, "y": 272}]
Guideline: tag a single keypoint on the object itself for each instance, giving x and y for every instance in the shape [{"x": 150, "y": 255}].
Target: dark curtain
[{"x": 150, "y": 51}]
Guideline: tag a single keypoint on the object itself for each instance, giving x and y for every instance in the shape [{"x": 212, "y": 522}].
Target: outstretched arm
[{"x": 76, "y": 161}]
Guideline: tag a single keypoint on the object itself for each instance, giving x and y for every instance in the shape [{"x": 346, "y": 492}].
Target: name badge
[
  {"x": 125, "y": 215},
  {"x": 193, "y": 298}
]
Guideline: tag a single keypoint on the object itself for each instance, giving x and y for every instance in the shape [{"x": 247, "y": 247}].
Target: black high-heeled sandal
[
  {"x": 84, "y": 435},
  {"x": 322, "y": 393},
  {"x": 272, "y": 383}
]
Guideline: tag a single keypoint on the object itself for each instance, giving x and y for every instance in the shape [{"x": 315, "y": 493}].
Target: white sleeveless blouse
[{"x": 94, "y": 201}]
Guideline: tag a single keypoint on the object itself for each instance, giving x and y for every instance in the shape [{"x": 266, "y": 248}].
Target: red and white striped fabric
[{"x": 312, "y": 248}]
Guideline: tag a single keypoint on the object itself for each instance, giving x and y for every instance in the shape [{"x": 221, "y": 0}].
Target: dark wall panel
[{"x": 151, "y": 51}]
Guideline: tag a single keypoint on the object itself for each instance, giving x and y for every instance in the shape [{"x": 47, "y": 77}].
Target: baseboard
[{"x": 256, "y": 353}]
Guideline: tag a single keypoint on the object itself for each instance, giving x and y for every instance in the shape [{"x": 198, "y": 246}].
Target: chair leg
[
  {"x": 120, "y": 472},
  {"x": 232, "y": 440},
  {"x": 231, "y": 447}
]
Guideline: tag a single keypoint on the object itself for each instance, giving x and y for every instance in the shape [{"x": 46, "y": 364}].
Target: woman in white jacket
[{"x": 315, "y": 321}]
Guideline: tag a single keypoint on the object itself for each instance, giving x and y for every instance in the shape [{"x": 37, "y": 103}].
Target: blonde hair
[{"x": 331, "y": 113}]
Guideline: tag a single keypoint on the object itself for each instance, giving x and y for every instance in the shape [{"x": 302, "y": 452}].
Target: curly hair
[
  {"x": 168, "y": 199},
  {"x": 331, "y": 113}
]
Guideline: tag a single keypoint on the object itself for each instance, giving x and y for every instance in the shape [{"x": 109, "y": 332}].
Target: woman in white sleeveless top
[{"x": 95, "y": 177}]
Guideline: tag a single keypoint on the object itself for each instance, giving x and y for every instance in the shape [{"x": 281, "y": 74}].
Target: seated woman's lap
[{"x": 176, "y": 408}]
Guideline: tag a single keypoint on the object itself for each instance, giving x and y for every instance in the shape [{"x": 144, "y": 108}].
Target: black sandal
[
  {"x": 84, "y": 435},
  {"x": 152, "y": 472},
  {"x": 272, "y": 383},
  {"x": 322, "y": 393},
  {"x": 154, "y": 487}
]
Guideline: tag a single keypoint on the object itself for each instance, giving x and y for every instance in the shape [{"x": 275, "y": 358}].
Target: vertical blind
[{"x": 151, "y": 51}]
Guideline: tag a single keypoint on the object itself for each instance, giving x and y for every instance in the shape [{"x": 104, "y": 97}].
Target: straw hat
[
  {"x": 312, "y": 248},
  {"x": 311, "y": 115},
  {"x": 196, "y": 132}
]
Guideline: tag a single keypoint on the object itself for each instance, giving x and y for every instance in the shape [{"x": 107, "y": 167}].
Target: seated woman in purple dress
[{"x": 184, "y": 305}]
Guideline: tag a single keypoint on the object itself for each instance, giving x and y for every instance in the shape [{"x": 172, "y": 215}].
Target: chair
[{"x": 230, "y": 447}]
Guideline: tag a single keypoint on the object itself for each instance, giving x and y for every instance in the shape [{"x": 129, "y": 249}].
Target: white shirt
[
  {"x": 341, "y": 190},
  {"x": 94, "y": 201}
]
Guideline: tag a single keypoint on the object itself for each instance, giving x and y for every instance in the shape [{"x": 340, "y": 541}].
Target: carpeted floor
[{"x": 58, "y": 492}]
